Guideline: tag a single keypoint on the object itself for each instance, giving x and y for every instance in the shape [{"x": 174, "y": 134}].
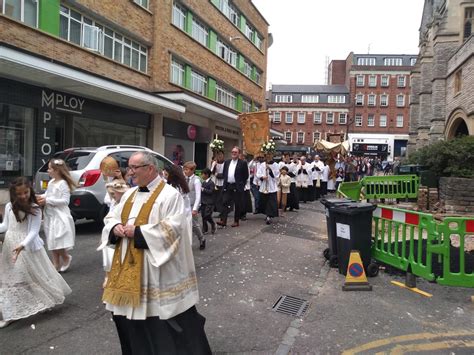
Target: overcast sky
[{"x": 305, "y": 32}]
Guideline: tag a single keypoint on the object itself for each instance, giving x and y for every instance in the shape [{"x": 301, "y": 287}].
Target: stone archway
[{"x": 457, "y": 125}]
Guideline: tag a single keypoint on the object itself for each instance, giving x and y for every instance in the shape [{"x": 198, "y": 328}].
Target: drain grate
[{"x": 292, "y": 306}]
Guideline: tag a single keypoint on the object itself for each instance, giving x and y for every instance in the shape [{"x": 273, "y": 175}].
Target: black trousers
[
  {"x": 183, "y": 334},
  {"x": 206, "y": 214},
  {"x": 233, "y": 197}
]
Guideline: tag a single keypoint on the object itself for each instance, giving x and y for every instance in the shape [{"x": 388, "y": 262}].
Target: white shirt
[{"x": 231, "y": 172}]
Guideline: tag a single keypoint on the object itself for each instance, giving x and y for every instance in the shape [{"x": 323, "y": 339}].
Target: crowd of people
[{"x": 150, "y": 283}]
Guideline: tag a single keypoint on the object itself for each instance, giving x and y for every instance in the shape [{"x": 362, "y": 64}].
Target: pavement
[{"x": 242, "y": 274}]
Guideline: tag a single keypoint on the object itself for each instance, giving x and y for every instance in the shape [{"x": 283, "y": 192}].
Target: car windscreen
[{"x": 75, "y": 160}]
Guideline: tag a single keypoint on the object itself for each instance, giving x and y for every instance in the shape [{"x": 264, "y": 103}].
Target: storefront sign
[
  {"x": 226, "y": 131},
  {"x": 61, "y": 102},
  {"x": 186, "y": 131},
  {"x": 369, "y": 148}
]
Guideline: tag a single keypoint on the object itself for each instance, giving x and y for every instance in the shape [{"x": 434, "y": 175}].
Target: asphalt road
[{"x": 242, "y": 274}]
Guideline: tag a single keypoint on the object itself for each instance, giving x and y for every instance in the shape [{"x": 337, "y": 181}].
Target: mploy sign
[{"x": 50, "y": 103}]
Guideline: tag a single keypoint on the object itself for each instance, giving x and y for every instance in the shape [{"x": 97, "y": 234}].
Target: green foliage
[{"x": 453, "y": 158}]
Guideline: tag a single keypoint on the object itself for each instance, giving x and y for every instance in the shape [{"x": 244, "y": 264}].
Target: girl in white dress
[
  {"x": 29, "y": 282},
  {"x": 58, "y": 223}
]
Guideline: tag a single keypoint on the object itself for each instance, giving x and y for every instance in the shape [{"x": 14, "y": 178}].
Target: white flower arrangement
[
  {"x": 268, "y": 147},
  {"x": 217, "y": 145}
]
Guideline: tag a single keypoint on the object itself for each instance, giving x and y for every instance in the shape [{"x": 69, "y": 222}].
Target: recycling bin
[
  {"x": 353, "y": 229},
  {"x": 330, "y": 253}
]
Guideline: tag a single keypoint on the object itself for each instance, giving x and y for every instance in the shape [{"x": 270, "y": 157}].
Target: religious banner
[{"x": 255, "y": 130}]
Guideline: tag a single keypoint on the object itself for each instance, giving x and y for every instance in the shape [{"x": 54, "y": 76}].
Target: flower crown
[
  {"x": 217, "y": 145},
  {"x": 58, "y": 162},
  {"x": 268, "y": 147}
]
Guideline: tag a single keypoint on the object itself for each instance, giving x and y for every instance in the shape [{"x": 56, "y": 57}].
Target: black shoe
[
  {"x": 202, "y": 245},
  {"x": 267, "y": 220},
  {"x": 291, "y": 209},
  {"x": 213, "y": 229}
]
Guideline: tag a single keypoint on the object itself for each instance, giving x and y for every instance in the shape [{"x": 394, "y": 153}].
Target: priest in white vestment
[{"x": 152, "y": 286}]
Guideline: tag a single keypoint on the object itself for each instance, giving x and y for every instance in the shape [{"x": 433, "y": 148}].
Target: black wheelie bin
[
  {"x": 330, "y": 253},
  {"x": 353, "y": 224}
]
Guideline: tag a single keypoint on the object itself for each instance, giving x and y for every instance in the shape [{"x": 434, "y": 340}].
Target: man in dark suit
[{"x": 236, "y": 173}]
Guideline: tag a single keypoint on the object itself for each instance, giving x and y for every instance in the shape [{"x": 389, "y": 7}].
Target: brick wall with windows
[
  {"x": 173, "y": 41},
  {"x": 378, "y": 99},
  {"x": 320, "y": 120},
  {"x": 55, "y": 48}
]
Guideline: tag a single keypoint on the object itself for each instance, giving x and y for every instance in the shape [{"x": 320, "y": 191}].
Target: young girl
[
  {"x": 115, "y": 190},
  {"x": 284, "y": 183},
  {"x": 29, "y": 282},
  {"x": 58, "y": 223}
]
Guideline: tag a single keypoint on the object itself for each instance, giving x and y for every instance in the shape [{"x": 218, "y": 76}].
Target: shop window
[
  {"x": 16, "y": 141},
  {"x": 90, "y": 132}
]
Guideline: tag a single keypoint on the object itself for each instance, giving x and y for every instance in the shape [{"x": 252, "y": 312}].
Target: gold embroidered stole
[{"x": 123, "y": 286}]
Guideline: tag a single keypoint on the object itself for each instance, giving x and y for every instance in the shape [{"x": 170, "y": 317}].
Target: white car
[{"x": 87, "y": 200}]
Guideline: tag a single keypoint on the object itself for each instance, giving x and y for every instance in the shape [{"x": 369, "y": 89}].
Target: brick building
[
  {"x": 442, "y": 105},
  {"x": 157, "y": 73},
  {"x": 306, "y": 113},
  {"x": 379, "y": 86}
]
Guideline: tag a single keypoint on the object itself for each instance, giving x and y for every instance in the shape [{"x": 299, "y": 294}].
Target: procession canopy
[
  {"x": 332, "y": 148},
  {"x": 255, "y": 130}
]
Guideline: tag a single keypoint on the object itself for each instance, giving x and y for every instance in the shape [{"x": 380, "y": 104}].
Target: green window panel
[
  {"x": 216, "y": 2},
  {"x": 212, "y": 41},
  {"x": 240, "y": 62},
  {"x": 238, "y": 102},
  {"x": 187, "y": 77},
  {"x": 243, "y": 23},
  {"x": 49, "y": 16},
  {"x": 211, "y": 89},
  {"x": 253, "y": 76},
  {"x": 189, "y": 23}
]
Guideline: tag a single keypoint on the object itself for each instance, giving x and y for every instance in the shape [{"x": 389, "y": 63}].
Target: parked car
[{"x": 87, "y": 200}]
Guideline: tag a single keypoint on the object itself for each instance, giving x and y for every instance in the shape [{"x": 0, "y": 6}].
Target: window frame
[
  {"x": 358, "y": 120},
  {"x": 200, "y": 32},
  {"x": 287, "y": 116},
  {"x": 275, "y": 120},
  {"x": 383, "y": 103},
  {"x": 371, "y": 120},
  {"x": 341, "y": 116},
  {"x": 225, "y": 96},
  {"x": 179, "y": 68},
  {"x": 401, "y": 81},
  {"x": 183, "y": 12},
  {"x": 319, "y": 115},
  {"x": 298, "y": 141},
  {"x": 372, "y": 102},
  {"x": 301, "y": 115},
  {"x": 198, "y": 78},
  {"x": 310, "y": 99},
  {"x": 140, "y": 3},
  {"x": 22, "y": 13},
  {"x": 361, "y": 101},
  {"x": 372, "y": 81},
  {"x": 398, "y": 124},
  {"x": 291, "y": 136},
  {"x": 384, "y": 121},
  {"x": 387, "y": 84},
  {"x": 330, "y": 118},
  {"x": 318, "y": 135},
  {"x": 360, "y": 80},
  {"x": 400, "y": 101},
  {"x": 283, "y": 98}
]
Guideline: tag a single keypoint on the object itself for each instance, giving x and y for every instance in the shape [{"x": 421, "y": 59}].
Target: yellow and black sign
[{"x": 355, "y": 278}]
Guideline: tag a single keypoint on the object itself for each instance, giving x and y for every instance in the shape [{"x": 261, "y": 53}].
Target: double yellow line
[{"x": 396, "y": 348}]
